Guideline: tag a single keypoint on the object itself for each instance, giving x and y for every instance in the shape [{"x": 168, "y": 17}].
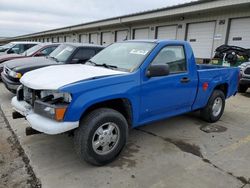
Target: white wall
[{"x": 220, "y": 17}]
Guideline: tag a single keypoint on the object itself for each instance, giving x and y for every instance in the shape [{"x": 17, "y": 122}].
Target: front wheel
[
  {"x": 101, "y": 136},
  {"x": 215, "y": 107}
]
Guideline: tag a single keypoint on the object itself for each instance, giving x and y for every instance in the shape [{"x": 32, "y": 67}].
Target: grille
[
  {"x": 6, "y": 70},
  {"x": 247, "y": 70},
  {"x": 27, "y": 95},
  {"x": 19, "y": 93}
]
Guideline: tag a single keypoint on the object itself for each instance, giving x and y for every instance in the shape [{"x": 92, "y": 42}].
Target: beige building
[{"x": 206, "y": 24}]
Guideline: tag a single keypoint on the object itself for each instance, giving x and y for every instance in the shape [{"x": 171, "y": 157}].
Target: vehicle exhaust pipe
[
  {"x": 17, "y": 115},
  {"x": 29, "y": 131}
]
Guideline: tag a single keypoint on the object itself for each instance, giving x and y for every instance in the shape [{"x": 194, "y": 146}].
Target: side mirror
[
  {"x": 39, "y": 54},
  {"x": 157, "y": 70},
  {"x": 76, "y": 61}
]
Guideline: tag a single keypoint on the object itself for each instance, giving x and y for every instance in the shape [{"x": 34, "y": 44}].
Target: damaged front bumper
[{"x": 40, "y": 123}]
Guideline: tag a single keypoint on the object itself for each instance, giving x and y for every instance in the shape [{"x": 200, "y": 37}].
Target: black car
[{"x": 68, "y": 53}]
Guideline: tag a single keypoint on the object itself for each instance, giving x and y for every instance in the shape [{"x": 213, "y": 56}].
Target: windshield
[
  {"x": 9, "y": 45},
  {"x": 6, "y": 46},
  {"x": 32, "y": 50},
  {"x": 126, "y": 55},
  {"x": 62, "y": 52}
]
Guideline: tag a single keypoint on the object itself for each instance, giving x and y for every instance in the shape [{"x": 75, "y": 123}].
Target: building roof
[{"x": 76, "y": 44}]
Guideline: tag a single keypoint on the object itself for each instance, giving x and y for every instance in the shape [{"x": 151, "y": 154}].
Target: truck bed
[{"x": 215, "y": 75}]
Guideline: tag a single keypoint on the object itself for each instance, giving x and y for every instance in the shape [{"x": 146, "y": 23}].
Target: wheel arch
[
  {"x": 122, "y": 105},
  {"x": 223, "y": 87}
]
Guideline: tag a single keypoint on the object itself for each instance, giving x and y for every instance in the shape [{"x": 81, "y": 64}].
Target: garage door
[
  {"x": 107, "y": 38},
  {"x": 74, "y": 38},
  {"x": 239, "y": 33},
  {"x": 67, "y": 39},
  {"x": 54, "y": 39},
  {"x": 61, "y": 39},
  {"x": 141, "y": 33},
  {"x": 201, "y": 36},
  {"x": 167, "y": 32},
  {"x": 121, "y": 35},
  {"x": 93, "y": 38},
  {"x": 84, "y": 38}
]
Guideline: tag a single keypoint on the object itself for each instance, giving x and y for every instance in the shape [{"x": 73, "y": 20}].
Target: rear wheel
[
  {"x": 242, "y": 88},
  {"x": 215, "y": 107},
  {"x": 101, "y": 136}
]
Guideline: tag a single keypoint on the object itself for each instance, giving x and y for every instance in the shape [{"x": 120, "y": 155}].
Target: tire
[
  {"x": 211, "y": 114},
  {"x": 242, "y": 88},
  {"x": 86, "y": 135}
]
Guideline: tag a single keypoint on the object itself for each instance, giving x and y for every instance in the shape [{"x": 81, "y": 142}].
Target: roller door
[
  {"x": 107, "y": 38},
  {"x": 121, "y": 35},
  {"x": 61, "y": 39},
  {"x": 84, "y": 38},
  {"x": 141, "y": 33},
  {"x": 74, "y": 39},
  {"x": 239, "y": 33},
  {"x": 67, "y": 39},
  {"x": 167, "y": 32},
  {"x": 93, "y": 38},
  {"x": 54, "y": 39},
  {"x": 201, "y": 37}
]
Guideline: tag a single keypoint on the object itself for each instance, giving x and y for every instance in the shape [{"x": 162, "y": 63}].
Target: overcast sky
[{"x": 18, "y": 17}]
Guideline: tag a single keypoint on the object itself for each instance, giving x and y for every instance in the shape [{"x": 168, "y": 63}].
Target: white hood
[{"x": 54, "y": 77}]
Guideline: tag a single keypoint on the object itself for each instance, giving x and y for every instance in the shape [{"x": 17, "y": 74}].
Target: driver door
[{"x": 169, "y": 95}]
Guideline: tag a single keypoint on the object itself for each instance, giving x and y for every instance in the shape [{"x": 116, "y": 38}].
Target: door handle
[{"x": 185, "y": 80}]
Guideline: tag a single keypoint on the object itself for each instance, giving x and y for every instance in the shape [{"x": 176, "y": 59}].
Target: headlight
[
  {"x": 52, "y": 104},
  {"x": 15, "y": 74},
  {"x": 52, "y": 111},
  {"x": 55, "y": 95}
]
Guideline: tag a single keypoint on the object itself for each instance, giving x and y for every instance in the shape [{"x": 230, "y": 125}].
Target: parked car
[
  {"x": 5, "y": 47},
  {"x": 244, "y": 77},
  {"x": 16, "y": 47},
  {"x": 42, "y": 49},
  {"x": 69, "y": 53},
  {"x": 128, "y": 84}
]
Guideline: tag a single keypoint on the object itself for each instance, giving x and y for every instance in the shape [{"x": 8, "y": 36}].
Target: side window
[
  {"x": 48, "y": 50},
  {"x": 17, "y": 49},
  {"x": 174, "y": 56},
  {"x": 28, "y": 46},
  {"x": 98, "y": 50},
  {"x": 84, "y": 54}
]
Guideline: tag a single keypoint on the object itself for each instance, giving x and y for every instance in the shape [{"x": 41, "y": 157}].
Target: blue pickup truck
[{"x": 128, "y": 84}]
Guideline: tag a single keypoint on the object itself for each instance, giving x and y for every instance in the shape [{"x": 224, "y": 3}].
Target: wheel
[
  {"x": 242, "y": 88},
  {"x": 215, "y": 107},
  {"x": 101, "y": 136}
]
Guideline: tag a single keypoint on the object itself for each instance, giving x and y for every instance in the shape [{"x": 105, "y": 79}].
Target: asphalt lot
[{"x": 179, "y": 152}]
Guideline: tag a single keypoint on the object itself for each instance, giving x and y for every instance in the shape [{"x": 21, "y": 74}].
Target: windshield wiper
[
  {"x": 91, "y": 62},
  {"x": 107, "y": 66},
  {"x": 102, "y": 65},
  {"x": 53, "y": 58}
]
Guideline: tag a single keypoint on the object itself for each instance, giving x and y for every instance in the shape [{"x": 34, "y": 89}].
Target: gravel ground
[{"x": 14, "y": 165}]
